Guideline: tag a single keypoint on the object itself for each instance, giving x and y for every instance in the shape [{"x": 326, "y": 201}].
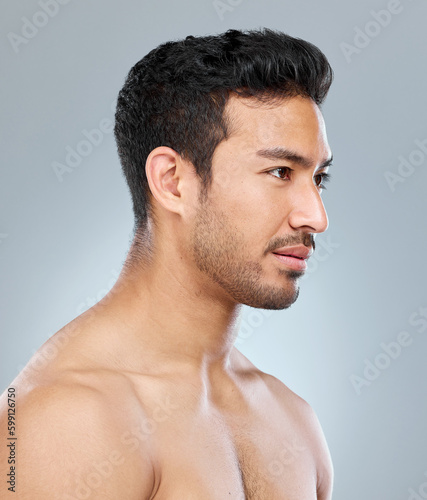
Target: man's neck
[{"x": 164, "y": 310}]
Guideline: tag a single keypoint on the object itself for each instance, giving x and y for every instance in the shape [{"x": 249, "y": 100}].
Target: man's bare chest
[
  {"x": 214, "y": 467},
  {"x": 202, "y": 455}
]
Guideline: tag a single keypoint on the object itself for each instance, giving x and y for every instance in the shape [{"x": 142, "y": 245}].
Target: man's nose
[{"x": 308, "y": 211}]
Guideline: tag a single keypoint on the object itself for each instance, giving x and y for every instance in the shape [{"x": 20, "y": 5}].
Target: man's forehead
[{"x": 294, "y": 123}]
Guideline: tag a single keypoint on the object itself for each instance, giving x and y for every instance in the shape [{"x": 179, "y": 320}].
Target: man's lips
[
  {"x": 299, "y": 251},
  {"x": 294, "y": 257}
]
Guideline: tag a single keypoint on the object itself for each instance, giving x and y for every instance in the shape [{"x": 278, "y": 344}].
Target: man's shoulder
[
  {"x": 308, "y": 424},
  {"x": 304, "y": 421},
  {"x": 287, "y": 397},
  {"x": 67, "y": 397},
  {"x": 70, "y": 441},
  {"x": 280, "y": 391}
]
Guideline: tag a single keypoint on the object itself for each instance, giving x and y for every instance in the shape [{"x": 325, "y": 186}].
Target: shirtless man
[{"x": 144, "y": 396}]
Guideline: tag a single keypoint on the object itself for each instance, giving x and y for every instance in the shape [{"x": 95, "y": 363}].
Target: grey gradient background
[{"x": 63, "y": 241}]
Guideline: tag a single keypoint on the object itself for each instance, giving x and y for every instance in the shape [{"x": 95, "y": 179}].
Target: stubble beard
[{"x": 218, "y": 250}]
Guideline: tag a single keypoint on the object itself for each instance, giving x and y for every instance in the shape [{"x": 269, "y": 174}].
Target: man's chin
[
  {"x": 275, "y": 299},
  {"x": 285, "y": 304}
]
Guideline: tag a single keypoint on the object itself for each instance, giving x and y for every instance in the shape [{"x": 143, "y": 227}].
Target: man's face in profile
[{"x": 265, "y": 195}]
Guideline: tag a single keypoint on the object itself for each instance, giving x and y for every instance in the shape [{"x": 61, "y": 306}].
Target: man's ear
[{"x": 165, "y": 172}]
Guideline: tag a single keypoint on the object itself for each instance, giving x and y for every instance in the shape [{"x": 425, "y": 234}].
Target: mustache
[{"x": 306, "y": 239}]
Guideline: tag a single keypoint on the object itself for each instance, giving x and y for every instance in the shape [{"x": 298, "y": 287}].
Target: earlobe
[{"x": 163, "y": 177}]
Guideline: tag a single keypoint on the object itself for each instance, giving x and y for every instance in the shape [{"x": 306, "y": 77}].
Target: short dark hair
[{"x": 176, "y": 95}]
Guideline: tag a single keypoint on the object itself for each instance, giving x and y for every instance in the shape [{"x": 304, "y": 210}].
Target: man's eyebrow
[{"x": 280, "y": 153}]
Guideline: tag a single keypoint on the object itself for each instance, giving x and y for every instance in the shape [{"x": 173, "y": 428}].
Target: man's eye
[
  {"x": 284, "y": 172},
  {"x": 321, "y": 179}
]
